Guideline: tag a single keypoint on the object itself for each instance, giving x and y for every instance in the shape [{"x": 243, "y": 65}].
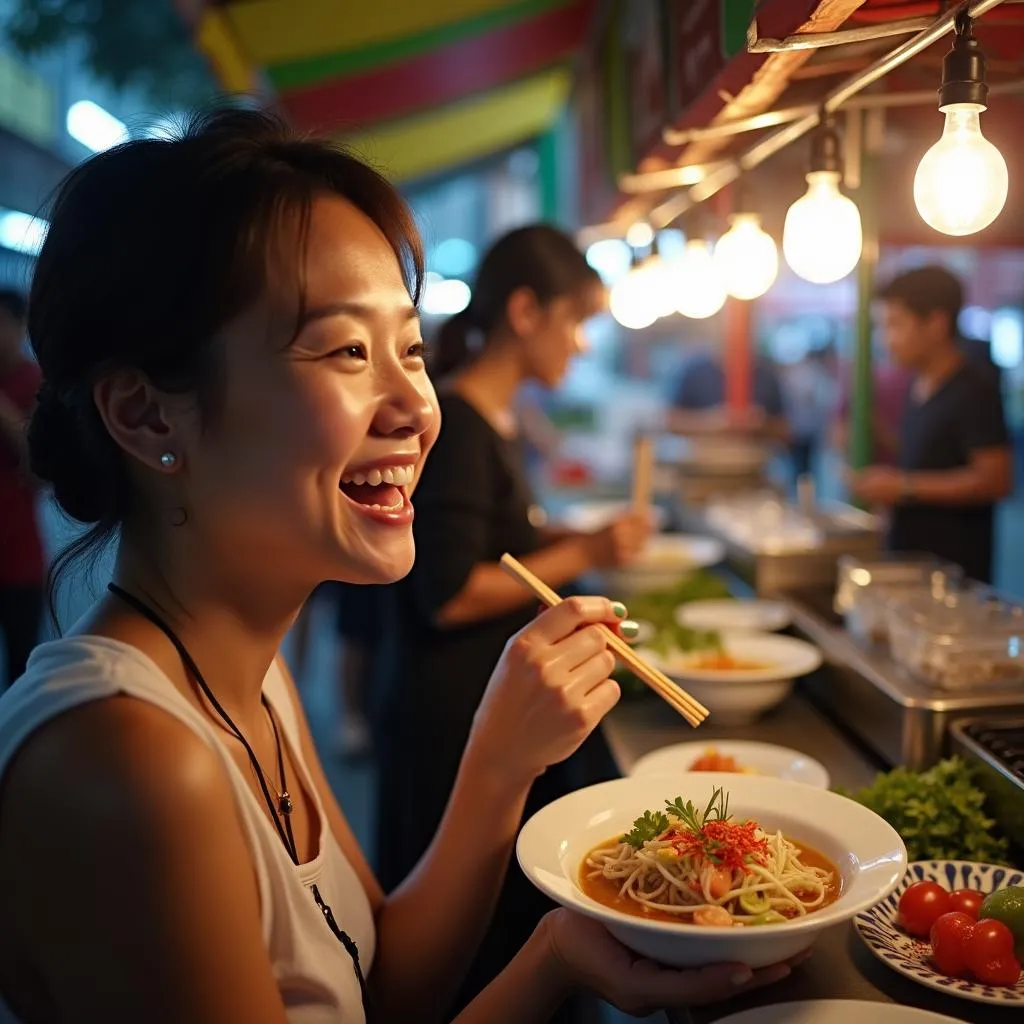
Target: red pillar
[{"x": 738, "y": 354}]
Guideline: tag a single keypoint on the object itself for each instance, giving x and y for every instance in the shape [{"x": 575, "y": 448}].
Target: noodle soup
[{"x": 702, "y": 867}]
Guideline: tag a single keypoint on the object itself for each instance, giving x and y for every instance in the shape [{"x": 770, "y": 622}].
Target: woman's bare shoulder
[
  {"x": 117, "y": 759},
  {"x": 120, "y": 822}
]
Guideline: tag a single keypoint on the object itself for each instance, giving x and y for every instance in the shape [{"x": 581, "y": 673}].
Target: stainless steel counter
[
  {"x": 903, "y": 720},
  {"x": 841, "y": 967}
]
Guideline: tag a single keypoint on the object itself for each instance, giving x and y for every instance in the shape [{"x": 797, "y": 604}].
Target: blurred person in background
[
  {"x": 450, "y": 619},
  {"x": 810, "y": 391},
  {"x": 955, "y": 459},
  {"x": 892, "y": 382},
  {"x": 890, "y": 390},
  {"x": 22, "y": 566},
  {"x": 698, "y": 405}
]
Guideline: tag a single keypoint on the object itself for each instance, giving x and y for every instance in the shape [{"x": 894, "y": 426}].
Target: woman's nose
[{"x": 408, "y": 409}]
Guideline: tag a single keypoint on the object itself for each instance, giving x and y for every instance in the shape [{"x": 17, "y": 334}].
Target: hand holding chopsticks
[{"x": 692, "y": 710}]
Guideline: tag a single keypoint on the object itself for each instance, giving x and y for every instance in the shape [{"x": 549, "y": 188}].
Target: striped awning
[{"x": 420, "y": 87}]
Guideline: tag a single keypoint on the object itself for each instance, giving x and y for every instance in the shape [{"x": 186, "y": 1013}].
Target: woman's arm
[
  {"x": 428, "y": 929},
  {"x": 135, "y": 898},
  {"x": 528, "y": 991},
  {"x": 535, "y": 712},
  {"x": 490, "y": 591}
]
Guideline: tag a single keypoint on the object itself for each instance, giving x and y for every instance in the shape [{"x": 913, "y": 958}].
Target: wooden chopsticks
[
  {"x": 692, "y": 710},
  {"x": 643, "y": 473}
]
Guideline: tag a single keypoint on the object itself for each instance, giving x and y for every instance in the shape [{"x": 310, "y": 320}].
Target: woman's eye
[
  {"x": 417, "y": 350},
  {"x": 349, "y": 352}
]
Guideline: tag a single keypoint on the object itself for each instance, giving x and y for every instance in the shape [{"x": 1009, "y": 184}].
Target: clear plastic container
[
  {"x": 963, "y": 640},
  {"x": 867, "y": 587}
]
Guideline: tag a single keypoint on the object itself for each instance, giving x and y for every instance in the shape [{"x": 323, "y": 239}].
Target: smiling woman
[{"x": 234, "y": 391}]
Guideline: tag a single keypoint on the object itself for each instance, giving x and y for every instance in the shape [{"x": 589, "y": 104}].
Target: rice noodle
[{"x": 658, "y": 877}]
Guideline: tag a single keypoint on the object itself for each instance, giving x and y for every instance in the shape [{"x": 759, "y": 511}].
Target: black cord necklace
[{"x": 281, "y": 809}]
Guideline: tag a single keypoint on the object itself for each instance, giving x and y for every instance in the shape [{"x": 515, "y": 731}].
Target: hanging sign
[
  {"x": 644, "y": 38},
  {"x": 702, "y": 36}
]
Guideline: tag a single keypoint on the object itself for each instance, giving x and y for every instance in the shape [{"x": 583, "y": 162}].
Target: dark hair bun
[{"x": 59, "y": 455}]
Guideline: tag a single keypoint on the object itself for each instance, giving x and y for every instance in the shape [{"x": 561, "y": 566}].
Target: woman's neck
[
  {"x": 231, "y": 624},
  {"x": 490, "y": 384}
]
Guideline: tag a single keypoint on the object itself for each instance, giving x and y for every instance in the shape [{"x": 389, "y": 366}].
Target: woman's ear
[
  {"x": 144, "y": 422},
  {"x": 523, "y": 312}
]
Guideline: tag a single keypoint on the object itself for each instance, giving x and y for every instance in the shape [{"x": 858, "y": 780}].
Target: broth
[
  {"x": 606, "y": 890},
  {"x": 727, "y": 663}
]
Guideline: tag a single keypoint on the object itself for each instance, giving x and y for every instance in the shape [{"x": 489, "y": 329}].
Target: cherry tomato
[
  {"x": 966, "y": 901},
  {"x": 921, "y": 906},
  {"x": 949, "y": 937},
  {"x": 989, "y": 954}
]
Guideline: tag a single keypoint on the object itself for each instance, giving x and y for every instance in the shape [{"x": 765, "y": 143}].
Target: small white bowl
[
  {"x": 741, "y": 696},
  {"x": 758, "y": 758},
  {"x": 735, "y": 615},
  {"x": 667, "y": 558},
  {"x": 867, "y": 851}
]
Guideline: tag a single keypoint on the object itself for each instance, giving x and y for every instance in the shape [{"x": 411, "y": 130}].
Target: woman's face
[
  {"x": 558, "y": 335},
  {"x": 310, "y": 466}
]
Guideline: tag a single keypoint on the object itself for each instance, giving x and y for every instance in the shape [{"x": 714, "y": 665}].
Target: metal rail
[
  {"x": 785, "y": 115},
  {"x": 728, "y": 172},
  {"x": 815, "y": 40}
]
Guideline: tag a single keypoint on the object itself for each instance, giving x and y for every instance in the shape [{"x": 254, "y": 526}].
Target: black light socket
[
  {"x": 826, "y": 154},
  {"x": 963, "y": 68}
]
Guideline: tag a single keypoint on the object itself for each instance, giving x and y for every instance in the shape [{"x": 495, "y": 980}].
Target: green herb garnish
[
  {"x": 695, "y": 820},
  {"x": 653, "y": 823},
  {"x": 939, "y": 813},
  {"x": 646, "y": 829}
]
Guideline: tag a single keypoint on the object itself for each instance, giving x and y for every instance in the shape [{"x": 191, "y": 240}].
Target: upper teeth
[{"x": 398, "y": 476}]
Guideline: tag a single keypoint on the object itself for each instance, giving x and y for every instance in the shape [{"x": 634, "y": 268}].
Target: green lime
[{"x": 1007, "y": 906}]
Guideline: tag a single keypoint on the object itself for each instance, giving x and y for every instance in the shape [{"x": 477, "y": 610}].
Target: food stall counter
[{"x": 841, "y": 967}]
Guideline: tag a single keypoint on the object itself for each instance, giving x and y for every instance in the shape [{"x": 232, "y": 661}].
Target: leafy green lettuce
[{"x": 939, "y": 813}]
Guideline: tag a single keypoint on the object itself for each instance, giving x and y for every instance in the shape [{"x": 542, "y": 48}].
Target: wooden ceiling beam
[{"x": 771, "y": 79}]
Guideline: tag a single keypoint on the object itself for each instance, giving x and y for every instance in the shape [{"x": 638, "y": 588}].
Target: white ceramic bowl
[
  {"x": 733, "y": 614},
  {"x": 757, "y": 758},
  {"x": 867, "y": 851},
  {"x": 667, "y": 558},
  {"x": 738, "y": 697},
  {"x": 836, "y": 1011},
  {"x": 589, "y": 516}
]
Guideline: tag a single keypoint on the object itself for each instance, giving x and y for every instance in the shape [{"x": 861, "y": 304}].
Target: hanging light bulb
[
  {"x": 961, "y": 182},
  {"x": 700, "y": 291},
  {"x": 822, "y": 237},
  {"x": 629, "y": 301},
  {"x": 746, "y": 257},
  {"x": 659, "y": 282}
]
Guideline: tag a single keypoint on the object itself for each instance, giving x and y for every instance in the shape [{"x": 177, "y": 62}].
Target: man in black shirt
[{"x": 955, "y": 459}]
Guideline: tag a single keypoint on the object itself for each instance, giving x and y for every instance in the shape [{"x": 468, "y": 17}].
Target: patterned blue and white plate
[{"x": 910, "y": 956}]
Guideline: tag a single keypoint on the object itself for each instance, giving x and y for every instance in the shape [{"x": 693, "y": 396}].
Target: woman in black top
[{"x": 451, "y": 618}]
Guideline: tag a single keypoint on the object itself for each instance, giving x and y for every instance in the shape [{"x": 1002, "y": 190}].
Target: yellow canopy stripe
[
  {"x": 216, "y": 39},
  {"x": 275, "y": 31},
  {"x": 464, "y": 131}
]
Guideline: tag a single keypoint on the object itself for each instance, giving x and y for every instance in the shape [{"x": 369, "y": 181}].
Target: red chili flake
[{"x": 722, "y": 842}]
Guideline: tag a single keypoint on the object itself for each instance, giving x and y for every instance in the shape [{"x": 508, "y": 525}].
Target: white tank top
[{"x": 314, "y": 973}]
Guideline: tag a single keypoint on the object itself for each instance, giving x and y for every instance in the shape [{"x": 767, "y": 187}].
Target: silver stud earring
[{"x": 168, "y": 459}]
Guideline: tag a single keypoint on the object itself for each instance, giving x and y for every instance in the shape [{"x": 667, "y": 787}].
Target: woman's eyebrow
[{"x": 359, "y": 310}]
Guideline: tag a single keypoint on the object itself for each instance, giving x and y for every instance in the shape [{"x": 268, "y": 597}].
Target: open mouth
[{"x": 383, "y": 490}]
